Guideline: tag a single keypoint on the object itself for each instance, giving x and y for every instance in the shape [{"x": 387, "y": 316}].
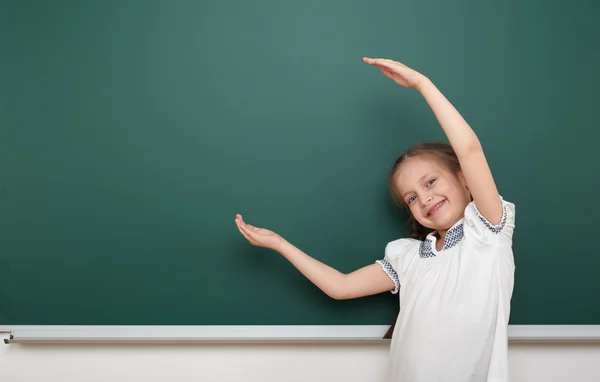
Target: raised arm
[
  {"x": 463, "y": 139},
  {"x": 365, "y": 281}
]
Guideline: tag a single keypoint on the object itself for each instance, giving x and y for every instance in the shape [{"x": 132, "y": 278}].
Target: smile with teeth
[{"x": 436, "y": 208}]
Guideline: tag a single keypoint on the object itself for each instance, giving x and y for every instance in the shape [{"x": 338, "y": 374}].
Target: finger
[
  {"x": 248, "y": 232},
  {"x": 374, "y": 61},
  {"x": 239, "y": 223},
  {"x": 392, "y": 75},
  {"x": 385, "y": 65},
  {"x": 390, "y": 62},
  {"x": 388, "y": 73},
  {"x": 377, "y": 61},
  {"x": 243, "y": 232},
  {"x": 393, "y": 62},
  {"x": 249, "y": 239},
  {"x": 243, "y": 227}
]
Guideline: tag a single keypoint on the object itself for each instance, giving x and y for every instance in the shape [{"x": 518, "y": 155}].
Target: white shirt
[{"x": 455, "y": 303}]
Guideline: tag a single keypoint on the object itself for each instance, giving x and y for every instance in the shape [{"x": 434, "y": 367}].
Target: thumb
[{"x": 387, "y": 73}]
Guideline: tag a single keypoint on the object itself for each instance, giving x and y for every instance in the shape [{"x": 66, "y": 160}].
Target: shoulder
[
  {"x": 398, "y": 256},
  {"x": 477, "y": 226},
  {"x": 401, "y": 247}
]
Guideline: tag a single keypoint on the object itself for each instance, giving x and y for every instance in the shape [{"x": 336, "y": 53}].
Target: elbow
[
  {"x": 337, "y": 294},
  {"x": 470, "y": 150},
  {"x": 338, "y": 290},
  {"x": 475, "y": 147}
]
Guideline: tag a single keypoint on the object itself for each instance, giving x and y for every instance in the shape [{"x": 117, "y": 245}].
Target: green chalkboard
[{"x": 132, "y": 132}]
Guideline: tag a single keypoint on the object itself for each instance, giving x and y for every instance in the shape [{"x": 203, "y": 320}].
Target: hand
[
  {"x": 400, "y": 73},
  {"x": 258, "y": 236}
]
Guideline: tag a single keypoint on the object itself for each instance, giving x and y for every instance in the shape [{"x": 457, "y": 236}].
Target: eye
[
  {"x": 411, "y": 199},
  {"x": 430, "y": 182}
]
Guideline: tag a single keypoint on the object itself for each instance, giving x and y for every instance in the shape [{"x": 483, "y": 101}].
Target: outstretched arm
[
  {"x": 463, "y": 139},
  {"x": 365, "y": 281}
]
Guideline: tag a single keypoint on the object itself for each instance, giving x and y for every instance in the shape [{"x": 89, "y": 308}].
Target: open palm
[
  {"x": 400, "y": 73},
  {"x": 261, "y": 237}
]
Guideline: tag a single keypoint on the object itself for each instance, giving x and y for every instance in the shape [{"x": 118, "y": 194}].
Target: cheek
[
  {"x": 442, "y": 189},
  {"x": 414, "y": 210},
  {"x": 417, "y": 212},
  {"x": 456, "y": 191}
]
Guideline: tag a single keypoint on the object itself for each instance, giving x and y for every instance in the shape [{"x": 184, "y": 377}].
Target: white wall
[{"x": 262, "y": 363}]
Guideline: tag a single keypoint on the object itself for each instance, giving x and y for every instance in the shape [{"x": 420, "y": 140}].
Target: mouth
[{"x": 436, "y": 207}]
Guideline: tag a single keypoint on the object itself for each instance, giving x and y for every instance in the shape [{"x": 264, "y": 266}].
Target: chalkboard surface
[{"x": 132, "y": 132}]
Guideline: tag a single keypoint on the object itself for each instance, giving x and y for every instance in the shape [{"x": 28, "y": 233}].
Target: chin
[{"x": 442, "y": 223}]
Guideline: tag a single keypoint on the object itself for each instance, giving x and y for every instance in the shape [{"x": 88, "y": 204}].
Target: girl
[{"x": 454, "y": 274}]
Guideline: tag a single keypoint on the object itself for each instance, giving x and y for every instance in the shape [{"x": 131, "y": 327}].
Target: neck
[{"x": 442, "y": 239}]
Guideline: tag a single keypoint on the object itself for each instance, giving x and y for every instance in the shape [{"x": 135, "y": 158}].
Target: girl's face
[{"x": 436, "y": 197}]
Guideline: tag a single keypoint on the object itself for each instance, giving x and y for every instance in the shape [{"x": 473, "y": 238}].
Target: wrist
[
  {"x": 423, "y": 84},
  {"x": 282, "y": 246}
]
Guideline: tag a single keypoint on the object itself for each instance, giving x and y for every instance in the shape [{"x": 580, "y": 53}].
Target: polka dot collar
[{"x": 453, "y": 237}]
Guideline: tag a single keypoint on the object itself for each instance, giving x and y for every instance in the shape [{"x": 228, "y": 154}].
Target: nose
[{"x": 425, "y": 199}]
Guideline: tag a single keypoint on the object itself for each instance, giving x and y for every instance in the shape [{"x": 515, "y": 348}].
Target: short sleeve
[
  {"x": 477, "y": 226},
  {"x": 394, "y": 262}
]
